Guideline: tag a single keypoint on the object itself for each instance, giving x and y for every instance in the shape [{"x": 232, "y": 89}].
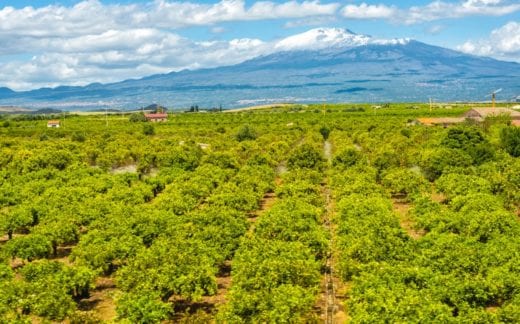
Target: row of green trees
[
  {"x": 461, "y": 270},
  {"x": 163, "y": 213},
  {"x": 276, "y": 270}
]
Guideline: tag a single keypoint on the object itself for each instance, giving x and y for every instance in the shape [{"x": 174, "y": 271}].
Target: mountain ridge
[{"x": 391, "y": 70}]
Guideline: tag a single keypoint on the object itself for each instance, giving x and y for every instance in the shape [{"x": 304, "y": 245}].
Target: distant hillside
[
  {"x": 353, "y": 69},
  {"x": 6, "y": 91},
  {"x": 13, "y": 110},
  {"x": 47, "y": 111}
]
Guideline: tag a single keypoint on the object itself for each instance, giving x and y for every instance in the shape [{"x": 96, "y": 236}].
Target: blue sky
[{"x": 65, "y": 42}]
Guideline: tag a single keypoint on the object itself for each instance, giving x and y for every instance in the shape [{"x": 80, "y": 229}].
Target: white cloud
[
  {"x": 364, "y": 11},
  {"x": 502, "y": 43},
  {"x": 434, "y": 29},
  {"x": 291, "y": 9},
  {"x": 218, "y": 30},
  {"x": 118, "y": 55},
  {"x": 441, "y": 10},
  {"x": 311, "y": 21},
  {"x": 96, "y": 42},
  {"x": 433, "y": 11},
  {"x": 91, "y": 16}
]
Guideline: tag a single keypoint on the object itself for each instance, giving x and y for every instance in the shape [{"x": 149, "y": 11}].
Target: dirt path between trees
[
  {"x": 402, "y": 208},
  {"x": 330, "y": 303}
]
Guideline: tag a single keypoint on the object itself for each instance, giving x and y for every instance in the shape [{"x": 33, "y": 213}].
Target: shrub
[
  {"x": 510, "y": 140},
  {"x": 347, "y": 158},
  {"x": 137, "y": 117},
  {"x": 305, "y": 156},
  {"x": 404, "y": 182},
  {"x": 78, "y": 137},
  {"x": 246, "y": 133},
  {"x": 148, "y": 129},
  {"x": 325, "y": 132}
]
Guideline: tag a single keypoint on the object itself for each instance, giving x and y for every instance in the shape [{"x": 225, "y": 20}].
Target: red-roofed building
[
  {"x": 158, "y": 117},
  {"x": 53, "y": 124}
]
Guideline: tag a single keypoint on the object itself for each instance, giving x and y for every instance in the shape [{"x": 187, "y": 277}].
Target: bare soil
[
  {"x": 438, "y": 197},
  {"x": 5, "y": 238},
  {"x": 132, "y": 168},
  {"x": 330, "y": 304},
  {"x": 101, "y": 301},
  {"x": 402, "y": 210}
]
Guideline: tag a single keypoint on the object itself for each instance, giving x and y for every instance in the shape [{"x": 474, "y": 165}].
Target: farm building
[
  {"x": 53, "y": 124},
  {"x": 481, "y": 113},
  {"x": 475, "y": 114},
  {"x": 158, "y": 117},
  {"x": 443, "y": 121}
]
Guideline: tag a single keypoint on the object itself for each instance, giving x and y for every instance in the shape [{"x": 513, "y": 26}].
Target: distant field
[
  {"x": 260, "y": 107},
  {"x": 272, "y": 214}
]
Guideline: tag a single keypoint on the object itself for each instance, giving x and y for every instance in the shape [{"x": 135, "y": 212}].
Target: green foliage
[
  {"x": 386, "y": 160},
  {"x": 455, "y": 184},
  {"x": 463, "y": 138},
  {"x": 325, "y": 132},
  {"x": 169, "y": 230},
  {"x": 191, "y": 275},
  {"x": 280, "y": 287},
  {"x": 48, "y": 299},
  {"x": 148, "y": 129},
  {"x": 405, "y": 182},
  {"x": 306, "y": 156},
  {"x": 347, "y": 158},
  {"x": 246, "y": 133},
  {"x": 75, "y": 281},
  {"x": 137, "y": 117},
  {"x": 435, "y": 162},
  {"x": 105, "y": 250},
  {"x": 368, "y": 232},
  {"x": 291, "y": 221},
  {"x": 78, "y": 137},
  {"x": 406, "y": 132},
  {"x": 29, "y": 247},
  {"x": 510, "y": 140},
  {"x": 471, "y": 141},
  {"x": 6, "y": 274},
  {"x": 14, "y": 220},
  {"x": 187, "y": 157},
  {"x": 222, "y": 160},
  {"x": 143, "y": 307},
  {"x": 500, "y": 119}
]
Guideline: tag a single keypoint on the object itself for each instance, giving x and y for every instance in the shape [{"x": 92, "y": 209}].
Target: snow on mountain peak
[{"x": 321, "y": 38}]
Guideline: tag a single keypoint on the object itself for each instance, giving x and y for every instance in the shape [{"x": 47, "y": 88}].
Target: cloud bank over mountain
[
  {"x": 503, "y": 43},
  {"x": 94, "y": 41},
  {"x": 117, "y": 55}
]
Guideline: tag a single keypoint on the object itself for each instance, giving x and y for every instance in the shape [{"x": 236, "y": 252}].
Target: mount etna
[{"x": 332, "y": 65}]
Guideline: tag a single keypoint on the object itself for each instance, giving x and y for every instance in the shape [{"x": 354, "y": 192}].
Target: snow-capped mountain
[
  {"x": 320, "y": 38},
  {"x": 323, "y": 64}
]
